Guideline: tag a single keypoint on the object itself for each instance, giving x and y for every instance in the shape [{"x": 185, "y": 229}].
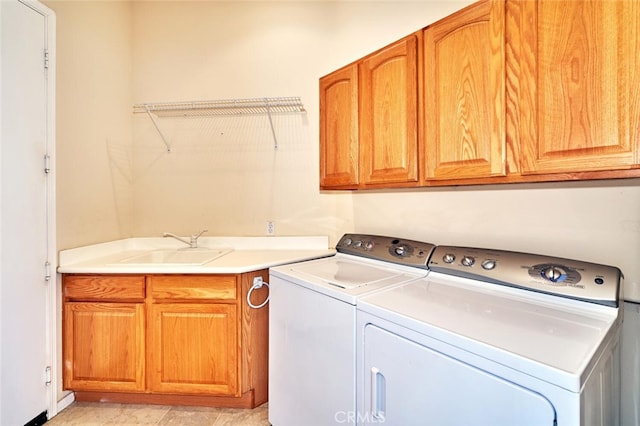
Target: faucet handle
[
  {"x": 194, "y": 239},
  {"x": 200, "y": 233}
]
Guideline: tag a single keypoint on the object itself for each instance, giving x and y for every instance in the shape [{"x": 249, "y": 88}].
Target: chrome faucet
[{"x": 193, "y": 240}]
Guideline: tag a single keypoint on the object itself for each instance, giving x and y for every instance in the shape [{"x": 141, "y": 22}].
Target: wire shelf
[
  {"x": 226, "y": 107},
  {"x": 254, "y": 106}
]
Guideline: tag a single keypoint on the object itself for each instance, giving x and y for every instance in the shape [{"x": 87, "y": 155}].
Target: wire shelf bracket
[
  {"x": 227, "y": 107},
  {"x": 155, "y": 124}
]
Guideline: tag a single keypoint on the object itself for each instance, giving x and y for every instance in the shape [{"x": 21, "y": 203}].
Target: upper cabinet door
[
  {"x": 339, "y": 128},
  {"x": 464, "y": 80},
  {"x": 580, "y": 86},
  {"x": 389, "y": 113}
]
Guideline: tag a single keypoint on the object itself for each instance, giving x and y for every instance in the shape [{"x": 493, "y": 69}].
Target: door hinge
[
  {"x": 47, "y": 271},
  {"x": 46, "y": 59},
  {"x": 47, "y": 375},
  {"x": 47, "y": 163}
]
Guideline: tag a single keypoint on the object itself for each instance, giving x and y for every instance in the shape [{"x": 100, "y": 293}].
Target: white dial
[{"x": 488, "y": 264}]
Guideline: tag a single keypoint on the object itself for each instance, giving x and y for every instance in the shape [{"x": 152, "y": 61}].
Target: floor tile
[
  {"x": 190, "y": 416},
  {"x": 103, "y": 414}
]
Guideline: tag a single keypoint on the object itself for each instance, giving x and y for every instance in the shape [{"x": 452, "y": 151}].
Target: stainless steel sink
[{"x": 175, "y": 257}]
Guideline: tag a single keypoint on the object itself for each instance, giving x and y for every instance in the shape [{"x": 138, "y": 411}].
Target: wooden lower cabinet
[
  {"x": 104, "y": 346},
  {"x": 193, "y": 349},
  {"x": 175, "y": 339}
]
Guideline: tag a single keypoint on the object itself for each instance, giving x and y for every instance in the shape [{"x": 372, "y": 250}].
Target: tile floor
[{"x": 98, "y": 413}]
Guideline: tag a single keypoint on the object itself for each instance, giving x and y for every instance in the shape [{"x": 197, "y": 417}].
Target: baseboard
[{"x": 66, "y": 401}]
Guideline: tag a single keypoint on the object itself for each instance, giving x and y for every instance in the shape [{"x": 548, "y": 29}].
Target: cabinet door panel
[
  {"x": 464, "y": 94},
  {"x": 579, "y": 62},
  {"x": 389, "y": 113},
  {"x": 339, "y": 128},
  {"x": 104, "y": 346},
  {"x": 193, "y": 349}
]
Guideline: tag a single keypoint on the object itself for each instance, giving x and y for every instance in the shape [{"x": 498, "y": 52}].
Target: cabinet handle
[{"x": 378, "y": 394}]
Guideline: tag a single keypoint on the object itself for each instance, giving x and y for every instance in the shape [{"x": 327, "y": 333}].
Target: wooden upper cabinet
[
  {"x": 464, "y": 81},
  {"x": 388, "y": 114},
  {"x": 502, "y": 91},
  {"x": 339, "y": 128},
  {"x": 579, "y": 84}
]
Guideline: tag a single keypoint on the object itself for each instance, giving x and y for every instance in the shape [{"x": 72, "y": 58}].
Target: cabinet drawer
[
  {"x": 196, "y": 287},
  {"x": 101, "y": 287}
]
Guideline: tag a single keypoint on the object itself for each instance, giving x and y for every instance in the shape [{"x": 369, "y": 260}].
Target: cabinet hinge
[
  {"x": 47, "y": 163},
  {"x": 47, "y": 271},
  {"x": 46, "y": 59},
  {"x": 47, "y": 375}
]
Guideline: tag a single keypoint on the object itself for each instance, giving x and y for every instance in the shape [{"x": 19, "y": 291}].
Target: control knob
[
  {"x": 553, "y": 274},
  {"x": 449, "y": 258},
  {"x": 400, "y": 250},
  {"x": 488, "y": 264},
  {"x": 468, "y": 261}
]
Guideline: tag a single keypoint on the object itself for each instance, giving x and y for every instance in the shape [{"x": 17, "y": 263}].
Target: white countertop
[{"x": 247, "y": 254}]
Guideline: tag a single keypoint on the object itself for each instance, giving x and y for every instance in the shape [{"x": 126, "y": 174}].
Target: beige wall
[
  {"x": 93, "y": 118},
  {"x": 223, "y": 174},
  {"x": 591, "y": 221},
  {"x": 117, "y": 180}
]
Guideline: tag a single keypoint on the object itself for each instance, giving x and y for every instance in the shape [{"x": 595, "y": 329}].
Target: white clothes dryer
[{"x": 492, "y": 338}]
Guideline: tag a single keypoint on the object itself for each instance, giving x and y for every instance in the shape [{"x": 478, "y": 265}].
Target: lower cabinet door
[
  {"x": 104, "y": 346},
  {"x": 193, "y": 349}
]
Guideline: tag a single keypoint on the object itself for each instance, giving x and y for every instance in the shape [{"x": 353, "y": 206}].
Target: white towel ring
[{"x": 257, "y": 283}]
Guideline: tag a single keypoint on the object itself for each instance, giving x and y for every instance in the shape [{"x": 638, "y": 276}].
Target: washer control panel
[
  {"x": 558, "y": 276},
  {"x": 390, "y": 249}
]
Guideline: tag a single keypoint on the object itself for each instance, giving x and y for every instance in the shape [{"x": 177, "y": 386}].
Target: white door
[
  {"x": 24, "y": 228},
  {"x": 408, "y": 384}
]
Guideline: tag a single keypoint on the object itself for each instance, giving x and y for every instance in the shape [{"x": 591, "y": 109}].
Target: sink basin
[{"x": 174, "y": 257}]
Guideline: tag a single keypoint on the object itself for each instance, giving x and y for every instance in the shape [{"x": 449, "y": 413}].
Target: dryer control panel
[
  {"x": 574, "y": 279},
  {"x": 391, "y": 249}
]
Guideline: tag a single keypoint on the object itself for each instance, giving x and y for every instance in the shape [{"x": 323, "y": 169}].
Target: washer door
[{"x": 407, "y": 384}]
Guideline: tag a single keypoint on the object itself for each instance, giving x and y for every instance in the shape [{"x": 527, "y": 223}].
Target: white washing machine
[
  {"x": 493, "y": 338},
  {"x": 312, "y": 325}
]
